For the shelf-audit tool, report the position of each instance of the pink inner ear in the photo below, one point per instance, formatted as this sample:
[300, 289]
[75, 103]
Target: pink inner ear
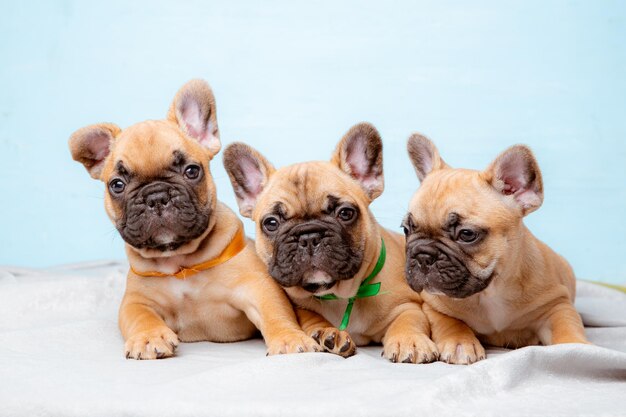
[192, 118]
[101, 147]
[425, 162]
[98, 145]
[253, 177]
[357, 160]
[513, 174]
[519, 181]
[528, 199]
[194, 123]
[361, 168]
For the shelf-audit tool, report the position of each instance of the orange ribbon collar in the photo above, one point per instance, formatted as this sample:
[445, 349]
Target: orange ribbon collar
[233, 248]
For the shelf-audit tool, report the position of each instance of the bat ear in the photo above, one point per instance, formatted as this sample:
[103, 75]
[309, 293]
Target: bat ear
[91, 145]
[195, 112]
[515, 173]
[249, 173]
[360, 154]
[424, 155]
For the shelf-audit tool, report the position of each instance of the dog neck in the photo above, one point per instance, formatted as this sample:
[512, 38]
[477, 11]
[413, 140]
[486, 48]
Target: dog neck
[519, 271]
[348, 288]
[223, 229]
[521, 258]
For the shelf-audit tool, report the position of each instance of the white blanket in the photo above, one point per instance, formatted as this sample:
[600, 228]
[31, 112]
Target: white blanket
[61, 354]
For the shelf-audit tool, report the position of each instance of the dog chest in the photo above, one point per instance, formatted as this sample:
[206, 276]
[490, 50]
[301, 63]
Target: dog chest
[196, 292]
[496, 315]
[181, 289]
[200, 311]
[491, 311]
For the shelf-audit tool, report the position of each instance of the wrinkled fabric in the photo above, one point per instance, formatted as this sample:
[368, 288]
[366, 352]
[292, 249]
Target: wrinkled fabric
[61, 354]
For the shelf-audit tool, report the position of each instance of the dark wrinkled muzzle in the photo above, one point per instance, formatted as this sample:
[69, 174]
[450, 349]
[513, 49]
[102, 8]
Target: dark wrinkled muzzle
[313, 245]
[162, 216]
[433, 267]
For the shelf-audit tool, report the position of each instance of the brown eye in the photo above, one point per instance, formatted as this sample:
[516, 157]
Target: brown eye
[467, 235]
[346, 214]
[407, 225]
[192, 172]
[116, 186]
[270, 224]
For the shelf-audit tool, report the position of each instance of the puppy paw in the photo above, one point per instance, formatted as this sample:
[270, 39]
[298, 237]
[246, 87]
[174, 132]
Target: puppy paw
[292, 342]
[461, 351]
[410, 348]
[157, 343]
[335, 341]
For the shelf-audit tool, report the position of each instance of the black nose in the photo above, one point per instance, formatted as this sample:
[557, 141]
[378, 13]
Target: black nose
[158, 200]
[425, 259]
[310, 241]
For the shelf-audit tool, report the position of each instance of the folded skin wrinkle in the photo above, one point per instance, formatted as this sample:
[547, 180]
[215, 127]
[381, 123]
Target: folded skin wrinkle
[162, 214]
[440, 270]
[331, 251]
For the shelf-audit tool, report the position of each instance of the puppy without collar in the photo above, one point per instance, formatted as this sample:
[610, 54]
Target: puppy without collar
[193, 274]
[320, 241]
[475, 262]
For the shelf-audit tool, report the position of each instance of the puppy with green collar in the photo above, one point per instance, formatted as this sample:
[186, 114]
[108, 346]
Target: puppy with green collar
[321, 243]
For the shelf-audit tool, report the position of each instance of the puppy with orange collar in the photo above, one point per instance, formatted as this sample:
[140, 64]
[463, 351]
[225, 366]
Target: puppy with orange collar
[194, 276]
[479, 269]
[321, 242]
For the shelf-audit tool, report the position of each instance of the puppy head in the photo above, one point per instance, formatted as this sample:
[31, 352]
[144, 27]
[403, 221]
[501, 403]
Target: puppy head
[464, 227]
[312, 218]
[159, 191]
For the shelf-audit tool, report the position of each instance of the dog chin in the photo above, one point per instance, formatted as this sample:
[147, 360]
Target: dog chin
[451, 293]
[424, 285]
[328, 285]
[434, 291]
[167, 248]
[317, 282]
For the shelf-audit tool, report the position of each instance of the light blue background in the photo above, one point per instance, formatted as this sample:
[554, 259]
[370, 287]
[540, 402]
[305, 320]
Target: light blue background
[291, 77]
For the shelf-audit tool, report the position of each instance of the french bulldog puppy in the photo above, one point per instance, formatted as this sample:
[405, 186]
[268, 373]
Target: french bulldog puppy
[320, 242]
[193, 274]
[477, 266]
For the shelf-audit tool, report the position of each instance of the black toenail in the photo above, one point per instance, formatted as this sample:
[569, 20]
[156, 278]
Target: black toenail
[345, 346]
[330, 341]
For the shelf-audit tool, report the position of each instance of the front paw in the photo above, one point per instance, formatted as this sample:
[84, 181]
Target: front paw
[157, 343]
[335, 341]
[292, 342]
[409, 348]
[461, 351]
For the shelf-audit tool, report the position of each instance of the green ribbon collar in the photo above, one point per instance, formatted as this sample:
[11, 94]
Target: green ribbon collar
[365, 289]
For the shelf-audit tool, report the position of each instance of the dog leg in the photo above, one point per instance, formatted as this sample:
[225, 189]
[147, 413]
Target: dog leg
[562, 325]
[456, 342]
[146, 334]
[329, 337]
[406, 339]
[268, 308]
